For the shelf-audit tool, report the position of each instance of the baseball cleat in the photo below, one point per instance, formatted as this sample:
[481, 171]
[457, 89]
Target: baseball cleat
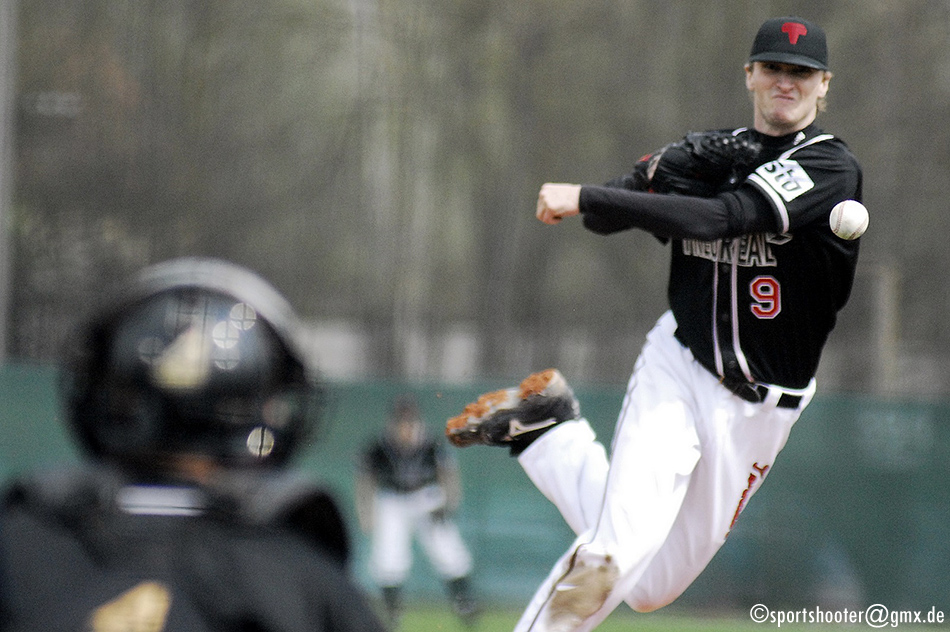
[515, 417]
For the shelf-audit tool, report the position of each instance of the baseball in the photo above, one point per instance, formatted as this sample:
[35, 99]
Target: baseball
[849, 219]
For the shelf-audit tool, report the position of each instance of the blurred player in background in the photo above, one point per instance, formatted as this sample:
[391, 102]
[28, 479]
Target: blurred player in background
[756, 282]
[408, 488]
[189, 394]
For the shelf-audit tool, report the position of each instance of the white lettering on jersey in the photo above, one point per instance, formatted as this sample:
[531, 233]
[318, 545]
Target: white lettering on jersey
[754, 250]
[784, 179]
[787, 178]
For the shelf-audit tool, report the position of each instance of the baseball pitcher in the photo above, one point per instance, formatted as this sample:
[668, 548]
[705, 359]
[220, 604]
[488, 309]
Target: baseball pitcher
[756, 281]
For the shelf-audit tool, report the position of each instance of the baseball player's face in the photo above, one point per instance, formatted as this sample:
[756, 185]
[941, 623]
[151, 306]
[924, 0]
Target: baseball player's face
[785, 96]
[409, 430]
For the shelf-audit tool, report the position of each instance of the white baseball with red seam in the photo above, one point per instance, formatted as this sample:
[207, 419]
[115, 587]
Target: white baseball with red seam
[849, 219]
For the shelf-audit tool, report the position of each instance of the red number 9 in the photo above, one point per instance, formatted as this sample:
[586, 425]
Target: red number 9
[766, 292]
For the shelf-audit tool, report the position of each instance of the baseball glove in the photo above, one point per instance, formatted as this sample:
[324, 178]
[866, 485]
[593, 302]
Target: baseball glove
[700, 164]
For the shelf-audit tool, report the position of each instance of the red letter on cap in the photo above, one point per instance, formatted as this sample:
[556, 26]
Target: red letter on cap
[794, 29]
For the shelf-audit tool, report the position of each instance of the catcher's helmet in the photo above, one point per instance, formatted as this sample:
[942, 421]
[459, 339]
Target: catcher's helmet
[197, 357]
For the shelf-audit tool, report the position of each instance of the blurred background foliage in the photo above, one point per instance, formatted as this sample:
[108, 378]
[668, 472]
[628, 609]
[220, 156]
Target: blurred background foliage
[379, 161]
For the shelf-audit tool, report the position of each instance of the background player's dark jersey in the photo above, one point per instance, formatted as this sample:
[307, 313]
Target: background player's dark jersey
[401, 468]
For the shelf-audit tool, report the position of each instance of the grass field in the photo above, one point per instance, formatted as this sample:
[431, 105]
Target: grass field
[438, 619]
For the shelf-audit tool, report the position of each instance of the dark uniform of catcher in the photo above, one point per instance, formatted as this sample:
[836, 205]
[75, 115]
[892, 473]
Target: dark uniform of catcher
[190, 394]
[756, 281]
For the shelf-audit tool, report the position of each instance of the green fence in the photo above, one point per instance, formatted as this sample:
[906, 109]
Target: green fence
[855, 512]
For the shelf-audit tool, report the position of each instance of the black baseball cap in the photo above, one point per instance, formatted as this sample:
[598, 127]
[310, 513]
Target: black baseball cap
[791, 40]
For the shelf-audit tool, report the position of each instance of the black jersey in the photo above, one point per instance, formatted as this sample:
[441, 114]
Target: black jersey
[757, 277]
[86, 551]
[404, 468]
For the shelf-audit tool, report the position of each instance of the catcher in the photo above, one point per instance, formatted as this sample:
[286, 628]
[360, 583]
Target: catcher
[756, 282]
[189, 394]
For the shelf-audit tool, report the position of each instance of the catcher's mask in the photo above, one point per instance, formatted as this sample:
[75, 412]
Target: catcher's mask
[195, 357]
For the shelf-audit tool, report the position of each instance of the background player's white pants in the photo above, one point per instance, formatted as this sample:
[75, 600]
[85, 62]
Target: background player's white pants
[397, 519]
[686, 456]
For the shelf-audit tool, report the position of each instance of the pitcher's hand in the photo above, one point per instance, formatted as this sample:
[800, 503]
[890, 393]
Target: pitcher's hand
[557, 201]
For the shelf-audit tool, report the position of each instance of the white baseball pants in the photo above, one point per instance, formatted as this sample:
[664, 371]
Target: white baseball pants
[686, 457]
[397, 520]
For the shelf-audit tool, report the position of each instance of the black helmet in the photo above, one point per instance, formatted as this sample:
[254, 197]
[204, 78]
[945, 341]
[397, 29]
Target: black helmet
[198, 357]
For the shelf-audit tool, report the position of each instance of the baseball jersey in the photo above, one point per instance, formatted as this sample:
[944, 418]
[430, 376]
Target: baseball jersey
[87, 550]
[404, 468]
[756, 277]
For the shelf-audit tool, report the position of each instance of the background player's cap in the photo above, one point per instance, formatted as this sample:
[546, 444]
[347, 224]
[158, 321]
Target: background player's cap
[791, 40]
